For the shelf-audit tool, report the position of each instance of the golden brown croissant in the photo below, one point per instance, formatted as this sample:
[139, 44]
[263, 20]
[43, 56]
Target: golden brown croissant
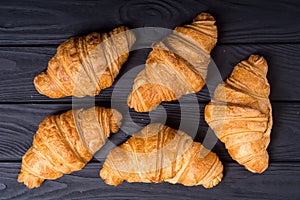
[65, 143]
[85, 65]
[241, 114]
[158, 153]
[176, 66]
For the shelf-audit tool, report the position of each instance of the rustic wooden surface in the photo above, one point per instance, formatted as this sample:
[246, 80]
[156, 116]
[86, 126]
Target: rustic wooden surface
[30, 31]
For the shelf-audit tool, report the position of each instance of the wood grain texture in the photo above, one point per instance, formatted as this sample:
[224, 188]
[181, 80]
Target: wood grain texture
[86, 184]
[20, 121]
[20, 65]
[30, 31]
[51, 22]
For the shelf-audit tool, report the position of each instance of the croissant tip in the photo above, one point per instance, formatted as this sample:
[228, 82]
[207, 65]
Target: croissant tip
[39, 83]
[122, 27]
[30, 181]
[258, 169]
[204, 17]
[256, 58]
[105, 173]
[258, 164]
[43, 85]
[258, 62]
[214, 182]
[36, 81]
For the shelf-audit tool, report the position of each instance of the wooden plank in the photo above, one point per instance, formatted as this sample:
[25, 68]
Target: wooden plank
[20, 65]
[255, 21]
[51, 22]
[236, 184]
[20, 121]
[283, 66]
[30, 30]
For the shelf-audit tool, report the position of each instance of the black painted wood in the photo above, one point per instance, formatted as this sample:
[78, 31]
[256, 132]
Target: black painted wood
[19, 122]
[31, 30]
[280, 181]
[51, 22]
[19, 65]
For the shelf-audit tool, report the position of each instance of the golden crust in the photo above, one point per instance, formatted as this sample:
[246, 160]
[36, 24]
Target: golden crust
[175, 158]
[176, 66]
[152, 94]
[241, 114]
[85, 65]
[65, 143]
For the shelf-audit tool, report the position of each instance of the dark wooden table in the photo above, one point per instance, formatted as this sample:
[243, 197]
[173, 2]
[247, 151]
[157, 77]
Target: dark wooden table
[30, 31]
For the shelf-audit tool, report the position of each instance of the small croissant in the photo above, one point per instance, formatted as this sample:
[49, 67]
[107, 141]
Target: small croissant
[159, 153]
[176, 66]
[85, 65]
[241, 114]
[65, 143]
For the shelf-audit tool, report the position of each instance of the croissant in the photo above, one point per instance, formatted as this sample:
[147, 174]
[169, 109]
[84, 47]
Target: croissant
[176, 66]
[159, 153]
[241, 114]
[85, 65]
[65, 143]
